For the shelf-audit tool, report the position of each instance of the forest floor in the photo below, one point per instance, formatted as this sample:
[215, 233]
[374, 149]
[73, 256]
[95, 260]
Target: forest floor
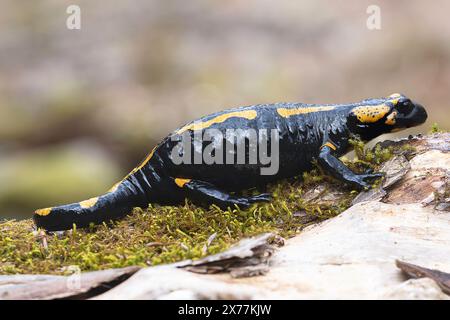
[166, 234]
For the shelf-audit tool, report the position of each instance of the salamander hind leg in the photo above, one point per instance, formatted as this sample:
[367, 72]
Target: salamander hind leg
[205, 194]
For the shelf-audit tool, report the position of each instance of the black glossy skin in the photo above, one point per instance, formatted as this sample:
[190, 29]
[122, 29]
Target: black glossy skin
[308, 135]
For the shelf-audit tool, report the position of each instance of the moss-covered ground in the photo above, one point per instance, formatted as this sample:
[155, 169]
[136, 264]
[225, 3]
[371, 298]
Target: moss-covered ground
[164, 234]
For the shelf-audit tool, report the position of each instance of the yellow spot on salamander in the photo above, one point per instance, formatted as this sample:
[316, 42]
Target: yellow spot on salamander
[146, 160]
[287, 112]
[391, 119]
[143, 163]
[330, 145]
[247, 114]
[89, 203]
[181, 182]
[114, 187]
[371, 114]
[43, 212]
[394, 98]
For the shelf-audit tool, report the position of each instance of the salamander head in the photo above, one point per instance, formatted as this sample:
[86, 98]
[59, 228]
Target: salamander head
[378, 116]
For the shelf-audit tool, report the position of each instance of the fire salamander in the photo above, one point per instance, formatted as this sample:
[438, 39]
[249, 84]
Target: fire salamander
[304, 132]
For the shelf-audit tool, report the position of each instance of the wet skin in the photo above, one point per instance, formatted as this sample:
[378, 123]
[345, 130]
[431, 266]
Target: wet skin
[306, 133]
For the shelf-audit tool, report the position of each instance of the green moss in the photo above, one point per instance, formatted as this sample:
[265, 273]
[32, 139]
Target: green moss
[367, 158]
[160, 234]
[435, 128]
[165, 234]
[312, 177]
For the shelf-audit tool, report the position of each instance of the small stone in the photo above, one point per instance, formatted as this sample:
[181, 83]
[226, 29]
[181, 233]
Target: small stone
[304, 217]
[251, 271]
[395, 170]
[371, 195]
[443, 206]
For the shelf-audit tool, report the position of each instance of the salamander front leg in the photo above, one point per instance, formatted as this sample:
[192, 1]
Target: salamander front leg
[204, 193]
[338, 170]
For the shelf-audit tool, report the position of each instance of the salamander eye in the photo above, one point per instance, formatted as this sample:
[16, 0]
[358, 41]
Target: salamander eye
[404, 106]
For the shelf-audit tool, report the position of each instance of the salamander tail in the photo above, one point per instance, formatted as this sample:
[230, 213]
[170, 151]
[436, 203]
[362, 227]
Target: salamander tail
[113, 205]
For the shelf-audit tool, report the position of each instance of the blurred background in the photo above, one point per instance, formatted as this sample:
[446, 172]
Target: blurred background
[80, 108]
